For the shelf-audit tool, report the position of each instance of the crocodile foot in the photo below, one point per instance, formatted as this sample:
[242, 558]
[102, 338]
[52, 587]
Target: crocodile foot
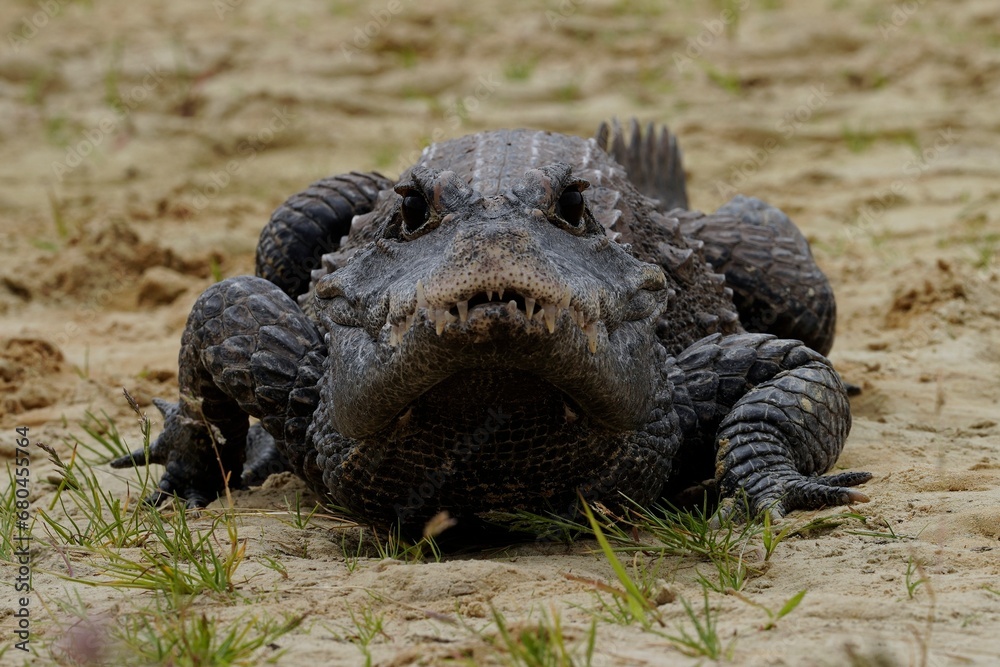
[187, 448]
[777, 491]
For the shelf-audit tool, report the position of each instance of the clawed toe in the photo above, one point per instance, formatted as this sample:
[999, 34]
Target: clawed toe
[780, 494]
[136, 459]
[167, 489]
[844, 479]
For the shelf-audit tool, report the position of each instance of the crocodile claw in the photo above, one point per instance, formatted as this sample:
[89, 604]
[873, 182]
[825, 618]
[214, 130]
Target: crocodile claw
[170, 487]
[159, 450]
[196, 479]
[778, 493]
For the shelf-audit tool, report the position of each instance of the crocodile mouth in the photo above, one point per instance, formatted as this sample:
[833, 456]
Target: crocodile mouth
[590, 344]
[516, 306]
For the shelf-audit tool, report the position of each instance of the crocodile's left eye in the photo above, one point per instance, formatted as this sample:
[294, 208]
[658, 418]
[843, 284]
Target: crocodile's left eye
[570, 207]
[415, 213]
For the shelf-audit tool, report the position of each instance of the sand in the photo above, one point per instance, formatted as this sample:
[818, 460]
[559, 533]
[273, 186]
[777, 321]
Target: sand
[144, 145]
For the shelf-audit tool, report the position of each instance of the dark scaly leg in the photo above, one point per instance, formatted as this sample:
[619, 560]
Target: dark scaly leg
[247, 350]
[769, 415]
[311, 223]
[777, 286]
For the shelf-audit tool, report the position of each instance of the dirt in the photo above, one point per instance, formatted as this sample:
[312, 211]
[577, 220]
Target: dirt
[144, 145]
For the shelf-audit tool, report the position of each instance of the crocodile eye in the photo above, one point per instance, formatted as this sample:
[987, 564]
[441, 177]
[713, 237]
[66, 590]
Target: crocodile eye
[415, 213]
[570, 207]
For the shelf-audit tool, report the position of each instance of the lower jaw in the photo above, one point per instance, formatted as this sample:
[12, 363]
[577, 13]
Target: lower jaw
[478, 442]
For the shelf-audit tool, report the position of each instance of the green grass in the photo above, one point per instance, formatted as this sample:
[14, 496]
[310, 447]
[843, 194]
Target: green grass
[8, 518]
[633, 604]
[134, 545]
[859, 139]
[887, 534]
[295, 511]
[112, 75]
[728, 81]
[367, 625]
[59, 130]
[540, 644]
[520, 69]
[398, 547]
[177, 559]
[723, 541]
[700, 636]
[915, 576]
[58, 219]
[195, 640]
[774, 616]
[160, 635]
[352, 558]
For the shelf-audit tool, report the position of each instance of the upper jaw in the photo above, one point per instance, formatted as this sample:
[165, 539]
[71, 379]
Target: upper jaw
[472, 313]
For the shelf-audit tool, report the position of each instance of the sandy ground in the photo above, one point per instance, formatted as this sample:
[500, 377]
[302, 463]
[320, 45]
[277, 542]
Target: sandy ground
[144, 145]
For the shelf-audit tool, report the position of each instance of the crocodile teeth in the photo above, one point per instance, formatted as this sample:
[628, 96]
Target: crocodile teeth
[421, 297]
[564, 302]
[543, 312]
[550, 316]
[443, 318]
[591, 331]
[568, 412]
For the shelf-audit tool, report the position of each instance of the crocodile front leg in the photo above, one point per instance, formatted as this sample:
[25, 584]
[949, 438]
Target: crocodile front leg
[311, 223]
[247, 350]
[772, 415]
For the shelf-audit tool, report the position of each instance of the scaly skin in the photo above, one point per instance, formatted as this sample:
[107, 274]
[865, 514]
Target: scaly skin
[510, 325]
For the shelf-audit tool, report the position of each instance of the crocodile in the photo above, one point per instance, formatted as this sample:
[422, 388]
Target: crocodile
[524, 320]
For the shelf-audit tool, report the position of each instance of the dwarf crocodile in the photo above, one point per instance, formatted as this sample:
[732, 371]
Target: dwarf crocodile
[522, 320]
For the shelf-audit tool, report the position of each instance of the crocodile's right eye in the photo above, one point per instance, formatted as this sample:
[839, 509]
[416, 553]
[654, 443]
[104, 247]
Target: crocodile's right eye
[570, 207]
[415, 213]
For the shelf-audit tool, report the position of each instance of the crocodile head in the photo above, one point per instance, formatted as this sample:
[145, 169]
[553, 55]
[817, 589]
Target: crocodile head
[467, 309]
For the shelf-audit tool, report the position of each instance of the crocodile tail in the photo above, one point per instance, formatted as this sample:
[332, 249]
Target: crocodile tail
[652, 160]
[311, 223]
